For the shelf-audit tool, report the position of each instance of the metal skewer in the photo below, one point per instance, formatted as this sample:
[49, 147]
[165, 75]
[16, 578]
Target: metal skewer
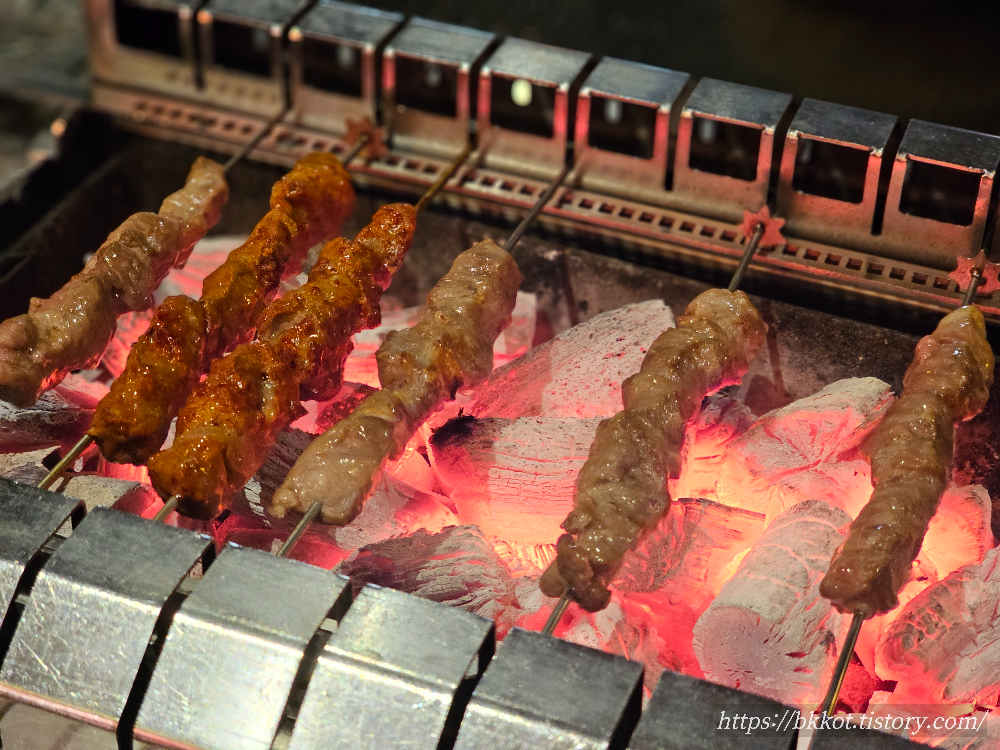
[829, 704]
[756, 236]
[168, 507]
[65, 462]
[255, 141]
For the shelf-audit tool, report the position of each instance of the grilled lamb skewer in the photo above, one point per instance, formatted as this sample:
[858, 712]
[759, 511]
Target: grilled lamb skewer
[71, 329]
[232, 419]
[451, 347]
[621, 491]
[911, 452]
[308, 204]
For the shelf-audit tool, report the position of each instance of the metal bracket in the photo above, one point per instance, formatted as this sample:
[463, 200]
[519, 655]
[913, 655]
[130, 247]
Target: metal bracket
[830, 168]
[247, 73]
[623, 129]
[544, 692]
[233, 650]
[525, 107]
[28, 519]
[725, 147]
[85, 631]
[686, 713]
[392, 673]
[860, 739]
[916, 226]
[333, 55]
[428, 85]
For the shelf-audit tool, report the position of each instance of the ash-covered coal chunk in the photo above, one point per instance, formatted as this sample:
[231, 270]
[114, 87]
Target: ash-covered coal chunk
[513, 478]
[806, 450]
[688, 557]
[769, 632]
[106, 492]
[59, 417]
[579, 373]
[457, 567]
[27, 467]
[945, 645]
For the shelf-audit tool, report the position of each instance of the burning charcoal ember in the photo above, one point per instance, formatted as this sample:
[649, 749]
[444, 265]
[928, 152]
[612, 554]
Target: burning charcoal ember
[394, 509]
[768, 631]
[944, 647]
[130, 327]
[515, 340]
[687, 558]
[806, 450]
[129, 472]
[27, 467]
[958, 534]
[722, 419]
[61, 415]
[328, 413]
[513, 478]
[525, 559]
[579, 373]
[105, 492]
[456, 566]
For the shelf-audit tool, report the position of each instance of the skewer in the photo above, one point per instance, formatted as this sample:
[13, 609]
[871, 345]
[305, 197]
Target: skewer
[759, 223]
[362, 140]
[515, 237]
[829, 704]
[168, 507]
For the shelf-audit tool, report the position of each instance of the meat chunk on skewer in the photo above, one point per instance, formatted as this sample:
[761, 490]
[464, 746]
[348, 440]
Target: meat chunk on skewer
[308, 204]
[231, 421]
[621, 492]
[420, 369]
[70, 330]
[910, 452]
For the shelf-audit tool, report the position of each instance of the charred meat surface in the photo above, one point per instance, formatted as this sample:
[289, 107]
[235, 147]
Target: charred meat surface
[911, 452]
[308, 204]
[451, 347]
[70, 330]
[231, 421]
[621, 492]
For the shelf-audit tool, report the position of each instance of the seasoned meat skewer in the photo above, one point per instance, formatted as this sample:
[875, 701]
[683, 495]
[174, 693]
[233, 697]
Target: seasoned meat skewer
[308, 204]
[451, 347]
[71, 329]
[911, 452]
[232, 419]
[621, 491]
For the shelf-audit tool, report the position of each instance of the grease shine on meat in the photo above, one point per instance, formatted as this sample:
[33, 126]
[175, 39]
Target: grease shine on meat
[621, 492]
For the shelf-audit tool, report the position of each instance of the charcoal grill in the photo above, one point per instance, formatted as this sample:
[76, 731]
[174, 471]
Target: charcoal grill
[118, 632]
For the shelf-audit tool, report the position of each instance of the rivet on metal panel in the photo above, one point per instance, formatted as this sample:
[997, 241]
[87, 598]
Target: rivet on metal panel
[543, 692]
[88, 624]
[396, 672]
[235, 646]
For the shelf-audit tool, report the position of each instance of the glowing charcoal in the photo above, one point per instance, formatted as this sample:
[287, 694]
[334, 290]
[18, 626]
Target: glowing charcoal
[60, 416]
[944, 647]
[513, 478]
[768, 631]
[579, 373]
[806, 450]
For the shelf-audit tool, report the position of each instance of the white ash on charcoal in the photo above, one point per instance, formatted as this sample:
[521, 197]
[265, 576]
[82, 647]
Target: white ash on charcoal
[944, 647]
[959, 534]
[686, 559]
[258, 491]
[512, 342]
[27, 467]
[513, 478]
[393, 509]
[60, 416]
[525, 559]
[806, 450]
[769, 631]
[579, 373]
[722, 419]
[456, 566]
[105, 492]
